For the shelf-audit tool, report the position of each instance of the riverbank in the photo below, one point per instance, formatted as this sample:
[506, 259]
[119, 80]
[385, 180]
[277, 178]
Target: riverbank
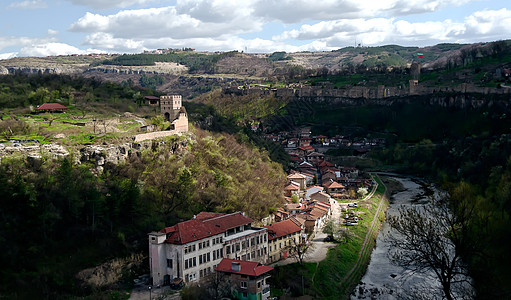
[345, 264]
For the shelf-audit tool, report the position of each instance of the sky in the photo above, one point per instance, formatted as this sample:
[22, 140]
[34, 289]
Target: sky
[63, 27]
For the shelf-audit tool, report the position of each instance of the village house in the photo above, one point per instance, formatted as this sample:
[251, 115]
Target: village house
[321, 197]
[333, 187]
[152, 100]
[282, 236]
[248, 279]
[192, 249]
[51, 108]
[291, 189]
[305, 141]
[314, 156]
[298, 178]
[311, 190]
[304, 150]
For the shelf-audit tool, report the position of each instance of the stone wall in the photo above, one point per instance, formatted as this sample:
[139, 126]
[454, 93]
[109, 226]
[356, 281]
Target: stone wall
[155, 135]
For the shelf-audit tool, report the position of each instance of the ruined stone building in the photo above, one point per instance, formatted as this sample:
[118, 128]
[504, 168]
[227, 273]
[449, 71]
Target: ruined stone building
[173, 111]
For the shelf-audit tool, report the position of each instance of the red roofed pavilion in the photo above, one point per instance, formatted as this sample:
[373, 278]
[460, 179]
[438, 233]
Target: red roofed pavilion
[51, 107]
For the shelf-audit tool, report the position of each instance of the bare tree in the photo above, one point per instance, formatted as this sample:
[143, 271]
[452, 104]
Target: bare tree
[300, 249]
[431, 239]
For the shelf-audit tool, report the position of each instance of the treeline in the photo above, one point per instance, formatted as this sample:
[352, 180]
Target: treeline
[59, 217]
[22, 90]
[196, 62]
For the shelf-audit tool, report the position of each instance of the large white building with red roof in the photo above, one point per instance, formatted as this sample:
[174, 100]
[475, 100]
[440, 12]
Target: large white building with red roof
[192, 249]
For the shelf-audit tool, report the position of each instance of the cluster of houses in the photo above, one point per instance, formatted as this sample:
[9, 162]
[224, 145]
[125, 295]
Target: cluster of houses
[301, 141]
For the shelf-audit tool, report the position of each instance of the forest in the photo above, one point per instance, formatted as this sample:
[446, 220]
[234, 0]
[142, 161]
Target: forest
[59, 217]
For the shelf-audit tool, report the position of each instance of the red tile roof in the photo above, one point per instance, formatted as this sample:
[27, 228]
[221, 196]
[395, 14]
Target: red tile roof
[56, 106]
[207, 215]
[291, 187]
[324, 163]
[306, 148]
[197, 229]
[281, 229]
[250, 268]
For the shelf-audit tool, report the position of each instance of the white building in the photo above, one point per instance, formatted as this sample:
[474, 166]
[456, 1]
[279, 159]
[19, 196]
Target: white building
[192, 249]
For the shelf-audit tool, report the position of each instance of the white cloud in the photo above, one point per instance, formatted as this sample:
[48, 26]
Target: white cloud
[10, 41]
[52, 32]
[163, 22]
[8, 55]
[49, 49]
[295, 11]
[106, 4]
[378, 31]
[29, 4]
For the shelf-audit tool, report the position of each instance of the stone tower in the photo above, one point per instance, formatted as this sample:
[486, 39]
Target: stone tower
[170, 107]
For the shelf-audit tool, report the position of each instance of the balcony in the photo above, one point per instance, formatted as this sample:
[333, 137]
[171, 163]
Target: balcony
[265, 292]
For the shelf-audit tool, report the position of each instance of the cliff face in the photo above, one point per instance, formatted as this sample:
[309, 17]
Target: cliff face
[99, 155]
[462, 96]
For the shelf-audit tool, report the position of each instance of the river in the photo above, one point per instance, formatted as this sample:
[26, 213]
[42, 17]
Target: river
[384, 280]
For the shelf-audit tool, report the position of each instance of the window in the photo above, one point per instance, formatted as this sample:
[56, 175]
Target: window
[259, 284]
[243, 284]
[209, 257]
[169, 263]
[186, 263]
[252, 241]
[214, 255]
[200, 259]
[264, 237]
[194, 262]
[228, 250]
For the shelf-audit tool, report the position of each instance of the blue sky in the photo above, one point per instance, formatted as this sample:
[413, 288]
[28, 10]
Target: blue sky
[54, 27]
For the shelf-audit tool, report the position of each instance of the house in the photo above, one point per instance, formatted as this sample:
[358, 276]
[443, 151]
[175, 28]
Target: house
[311, 222]
[305, 141]
[305, 132]
[292, 189]
[152, 100]
[293, 208]
[333, 187]
[329, 175]
[248, 279]
[304, 150]
[313, 189]
[292, 143]
[349, 172]
[281, 237]
[191, 249]
[298, 178]
[314, 156]
[51, 108]
[320, 196]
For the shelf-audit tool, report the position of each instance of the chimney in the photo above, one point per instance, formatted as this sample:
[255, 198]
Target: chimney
[236, 266]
